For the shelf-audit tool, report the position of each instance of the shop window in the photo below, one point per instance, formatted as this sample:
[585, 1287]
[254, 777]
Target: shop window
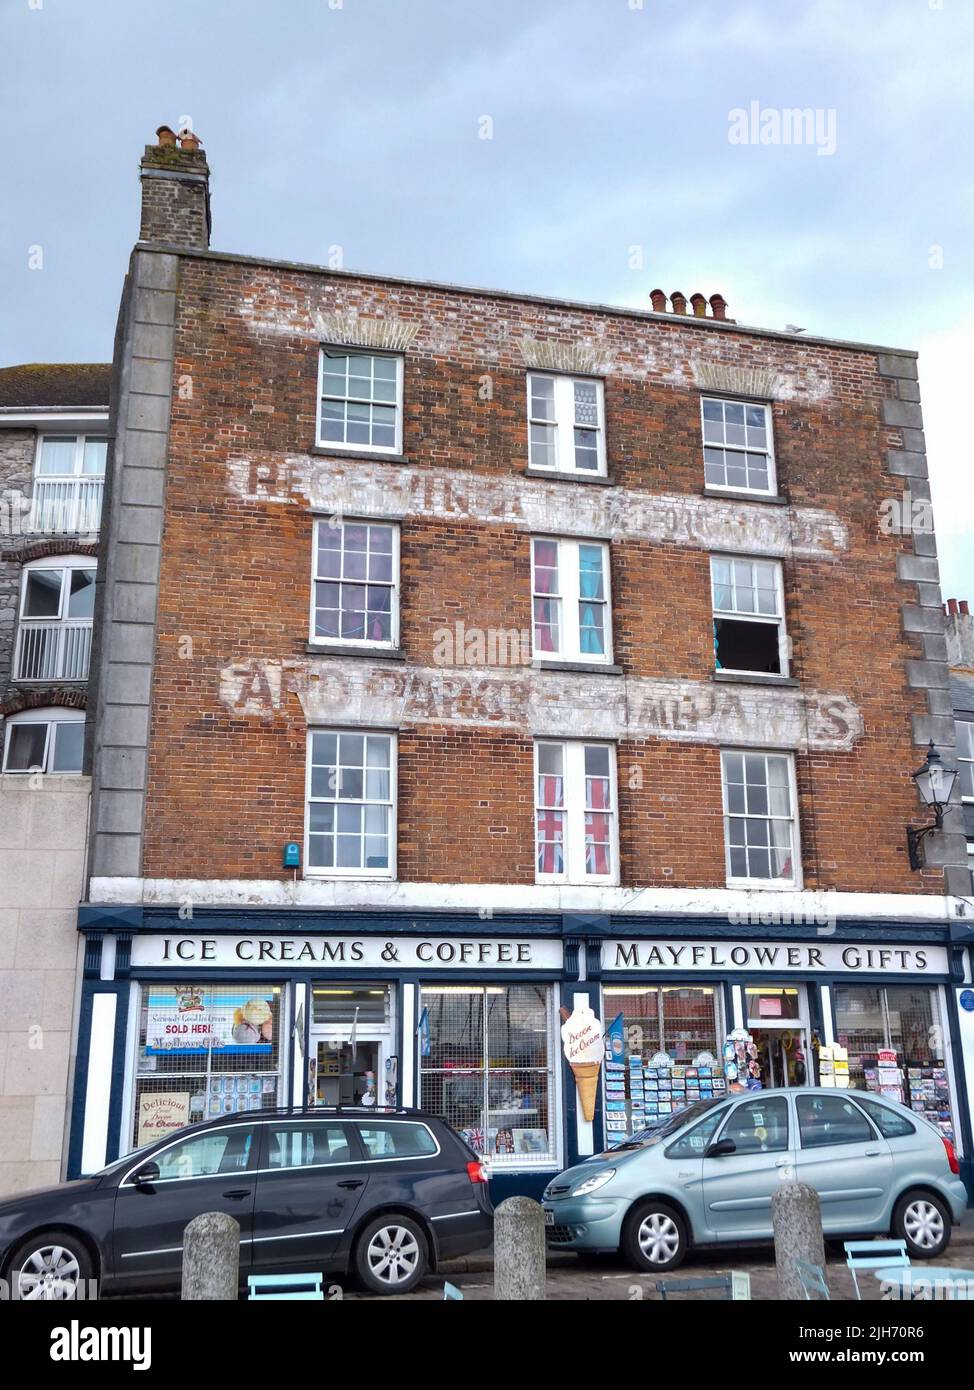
[872, 1021]
[205, 1050]
[44, 740]
[772, 1002]
[826, 1120]
[665, 1049]
[570, 598]
[565, 424]
[738, 453]
[575, 812]
[361, 401]
[749, 616]
[488, 1068]
[351, 804]
[760, 830]
[356, 577]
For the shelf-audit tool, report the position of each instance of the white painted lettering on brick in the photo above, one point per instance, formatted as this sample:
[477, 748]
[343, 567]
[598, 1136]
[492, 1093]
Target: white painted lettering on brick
[543, 703]
[613, 513]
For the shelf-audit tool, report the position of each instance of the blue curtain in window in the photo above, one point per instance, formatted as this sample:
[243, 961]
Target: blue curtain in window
[590, 614]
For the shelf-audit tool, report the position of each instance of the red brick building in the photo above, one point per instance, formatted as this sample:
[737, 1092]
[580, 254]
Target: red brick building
[462, 655]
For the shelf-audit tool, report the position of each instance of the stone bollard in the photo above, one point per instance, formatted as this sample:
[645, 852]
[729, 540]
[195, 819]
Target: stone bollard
[519, 1250]
[796, 1214]
[211, 1257]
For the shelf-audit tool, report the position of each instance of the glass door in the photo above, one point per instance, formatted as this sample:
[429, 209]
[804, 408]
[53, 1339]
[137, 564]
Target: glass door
[777, 1019]
[351, 1042]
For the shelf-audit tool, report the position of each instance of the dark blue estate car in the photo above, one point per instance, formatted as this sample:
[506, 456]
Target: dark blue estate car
[384, 1195]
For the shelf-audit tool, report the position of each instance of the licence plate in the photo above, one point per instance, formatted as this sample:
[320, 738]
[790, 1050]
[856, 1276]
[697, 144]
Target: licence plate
[549, 1218]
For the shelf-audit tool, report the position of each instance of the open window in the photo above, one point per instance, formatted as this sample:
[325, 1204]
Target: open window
[749, 616]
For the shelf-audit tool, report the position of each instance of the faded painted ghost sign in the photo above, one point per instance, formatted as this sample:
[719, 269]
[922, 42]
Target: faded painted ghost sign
[531, 504]
[543, 703]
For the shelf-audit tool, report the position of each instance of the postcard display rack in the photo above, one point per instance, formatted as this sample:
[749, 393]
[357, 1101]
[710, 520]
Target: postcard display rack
[924, 1089]
[639, 1091]
[833, 1067]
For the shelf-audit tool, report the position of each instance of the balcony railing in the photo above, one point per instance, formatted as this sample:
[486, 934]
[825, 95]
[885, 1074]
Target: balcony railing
[66, 505]
[53, 651]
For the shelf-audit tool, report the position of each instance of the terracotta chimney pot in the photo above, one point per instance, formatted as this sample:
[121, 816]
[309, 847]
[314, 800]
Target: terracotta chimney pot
[659, 301]
[188, 140]
[679, 302]
[699, 303]
[165, 136]
[718, 306]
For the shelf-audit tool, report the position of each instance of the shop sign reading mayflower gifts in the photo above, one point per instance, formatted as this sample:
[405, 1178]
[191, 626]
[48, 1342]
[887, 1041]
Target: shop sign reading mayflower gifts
[824, 957]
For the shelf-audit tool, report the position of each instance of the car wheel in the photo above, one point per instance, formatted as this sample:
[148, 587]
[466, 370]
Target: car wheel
[655, 1237]
[391, 1254]
[49, 1266]
[923, 1221]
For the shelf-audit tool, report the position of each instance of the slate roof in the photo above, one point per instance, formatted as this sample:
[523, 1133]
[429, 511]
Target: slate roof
[43, 385]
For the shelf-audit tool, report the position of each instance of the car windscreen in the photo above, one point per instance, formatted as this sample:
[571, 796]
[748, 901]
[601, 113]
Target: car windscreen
[666, 1125]
[131, 1157]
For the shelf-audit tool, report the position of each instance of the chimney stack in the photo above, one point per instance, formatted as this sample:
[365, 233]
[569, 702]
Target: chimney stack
[718, 305]
[959, 628]
[175, 190]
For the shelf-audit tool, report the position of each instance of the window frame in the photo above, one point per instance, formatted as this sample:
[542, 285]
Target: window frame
[964, 758]
[45, 715]
[772, 489]
[337, 349]
[574, 812]
[344, 874]
[76, 477]
[362, 643]
[737, 615]
[570, 598]
[779, 884]
[564, 423]
[65, 564]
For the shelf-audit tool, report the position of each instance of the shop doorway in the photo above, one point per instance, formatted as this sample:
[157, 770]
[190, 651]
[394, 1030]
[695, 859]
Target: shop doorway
[777, 1019]
[350, 1053]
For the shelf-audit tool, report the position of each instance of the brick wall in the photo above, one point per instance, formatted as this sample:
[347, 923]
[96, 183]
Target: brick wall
[236, 566]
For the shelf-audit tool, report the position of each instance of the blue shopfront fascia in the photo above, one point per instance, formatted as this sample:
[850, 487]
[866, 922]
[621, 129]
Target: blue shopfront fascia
[575, 952]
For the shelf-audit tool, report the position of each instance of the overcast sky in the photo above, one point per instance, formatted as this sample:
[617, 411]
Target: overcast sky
[357, 123]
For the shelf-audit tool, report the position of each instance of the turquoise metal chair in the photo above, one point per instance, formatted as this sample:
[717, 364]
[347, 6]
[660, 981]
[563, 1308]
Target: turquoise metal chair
[872, 1255]
[721, 1284]
[265, 1287]
[812, 1280]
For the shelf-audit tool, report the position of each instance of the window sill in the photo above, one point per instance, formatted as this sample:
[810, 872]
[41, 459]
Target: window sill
[341, 649]
[742, 495]
[763, 885]
[561, 477]
[753, 678]
[584, 668]
[335, 451]
[310, 877]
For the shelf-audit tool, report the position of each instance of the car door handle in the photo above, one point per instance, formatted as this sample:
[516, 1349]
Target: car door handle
[872, 1153]
[782, 1163]
[351, 1183]
[237, 1192]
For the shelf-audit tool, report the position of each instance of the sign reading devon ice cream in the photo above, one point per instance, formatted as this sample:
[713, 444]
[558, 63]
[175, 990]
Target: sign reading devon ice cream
[581, 1036]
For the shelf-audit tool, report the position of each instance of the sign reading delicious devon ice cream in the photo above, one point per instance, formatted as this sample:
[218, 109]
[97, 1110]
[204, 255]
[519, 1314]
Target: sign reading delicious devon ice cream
[581, 1036]
[183, 1019]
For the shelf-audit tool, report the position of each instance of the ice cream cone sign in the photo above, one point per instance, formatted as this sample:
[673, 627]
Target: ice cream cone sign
[581, 1036]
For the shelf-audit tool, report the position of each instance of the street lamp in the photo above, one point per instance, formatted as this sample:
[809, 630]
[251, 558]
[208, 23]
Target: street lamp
[935, 783]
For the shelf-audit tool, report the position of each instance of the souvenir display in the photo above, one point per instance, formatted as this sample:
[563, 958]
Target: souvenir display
[833, 1067]
[638, 1092]
[741, 1066]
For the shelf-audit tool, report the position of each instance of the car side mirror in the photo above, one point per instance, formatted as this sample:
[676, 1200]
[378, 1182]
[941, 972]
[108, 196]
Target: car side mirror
[147, 1174]
[720, 1148]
